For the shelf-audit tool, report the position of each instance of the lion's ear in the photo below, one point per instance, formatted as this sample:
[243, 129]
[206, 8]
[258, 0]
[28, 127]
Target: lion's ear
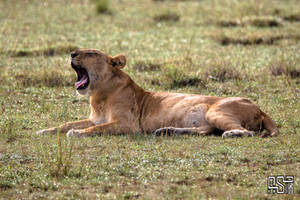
[118, 61]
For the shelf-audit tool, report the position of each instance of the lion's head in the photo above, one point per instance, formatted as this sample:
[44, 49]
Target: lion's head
[94, 69]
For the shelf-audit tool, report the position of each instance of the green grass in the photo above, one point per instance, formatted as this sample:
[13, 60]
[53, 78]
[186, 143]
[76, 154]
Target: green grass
[193, 55]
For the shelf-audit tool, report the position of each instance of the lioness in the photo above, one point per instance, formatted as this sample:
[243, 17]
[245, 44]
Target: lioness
[118, 105]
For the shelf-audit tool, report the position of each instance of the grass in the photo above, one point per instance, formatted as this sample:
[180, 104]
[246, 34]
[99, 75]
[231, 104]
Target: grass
[258, 62]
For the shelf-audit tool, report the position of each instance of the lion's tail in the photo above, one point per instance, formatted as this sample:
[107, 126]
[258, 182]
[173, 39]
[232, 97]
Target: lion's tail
[270, 125]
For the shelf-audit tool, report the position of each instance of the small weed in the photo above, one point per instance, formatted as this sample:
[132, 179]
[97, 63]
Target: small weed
[102, 6]
[146, 66]
[167, 16]
[8, 130]
[5, 185]
[56, 159]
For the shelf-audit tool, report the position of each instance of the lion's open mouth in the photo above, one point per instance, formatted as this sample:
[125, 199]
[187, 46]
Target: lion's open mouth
[82, 77]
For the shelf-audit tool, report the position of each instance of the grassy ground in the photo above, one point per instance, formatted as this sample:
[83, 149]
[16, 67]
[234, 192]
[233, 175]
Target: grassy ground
[226, 48]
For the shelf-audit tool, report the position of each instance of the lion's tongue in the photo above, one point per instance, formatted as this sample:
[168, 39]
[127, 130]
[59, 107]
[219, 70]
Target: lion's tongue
[82, 81]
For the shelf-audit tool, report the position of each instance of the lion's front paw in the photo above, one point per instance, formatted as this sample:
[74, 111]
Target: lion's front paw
[74, 133]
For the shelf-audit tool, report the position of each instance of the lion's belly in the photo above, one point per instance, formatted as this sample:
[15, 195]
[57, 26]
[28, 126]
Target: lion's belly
[179, 115]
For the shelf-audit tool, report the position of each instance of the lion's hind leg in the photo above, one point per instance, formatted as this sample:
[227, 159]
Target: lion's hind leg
[237, 118]
[231, 126]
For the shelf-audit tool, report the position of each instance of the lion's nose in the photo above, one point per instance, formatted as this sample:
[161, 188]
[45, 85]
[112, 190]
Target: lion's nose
[74, 54]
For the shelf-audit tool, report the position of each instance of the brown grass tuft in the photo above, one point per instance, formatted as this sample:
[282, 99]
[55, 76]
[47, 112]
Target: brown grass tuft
[262, 21]
[255, 39]
[174, 77]
[50, 51]
[45, 78]
[187, 81]
[167, 16]
[287, 16]
[281, 69]
[222, 73]
[292, 17]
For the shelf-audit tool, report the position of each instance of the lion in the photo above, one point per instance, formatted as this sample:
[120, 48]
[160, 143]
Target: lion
[120, 106]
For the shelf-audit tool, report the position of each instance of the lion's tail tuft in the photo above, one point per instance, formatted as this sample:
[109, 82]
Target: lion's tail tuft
[270, 125]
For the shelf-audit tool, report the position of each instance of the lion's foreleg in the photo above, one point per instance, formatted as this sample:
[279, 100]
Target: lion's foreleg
[111, 128]
[81, 124]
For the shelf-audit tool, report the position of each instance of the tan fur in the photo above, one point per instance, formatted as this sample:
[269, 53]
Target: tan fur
[118, 106]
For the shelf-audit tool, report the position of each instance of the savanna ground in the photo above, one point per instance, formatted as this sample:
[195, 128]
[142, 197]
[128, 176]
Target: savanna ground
[225, 48]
